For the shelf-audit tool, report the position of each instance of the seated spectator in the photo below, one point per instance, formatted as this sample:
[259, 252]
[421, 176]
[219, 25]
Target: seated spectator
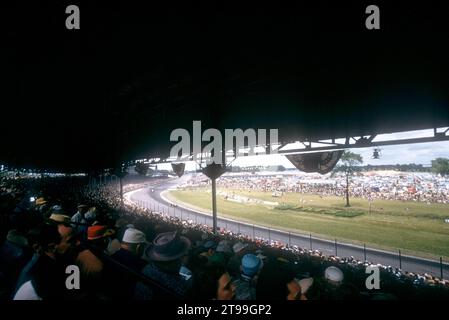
[95, 286]
[277, 282]
[80, 221]
[14, 255]
[334, 276]
[235, 261]
[131, 249]
[222, 253]
[25, 274]
[213, 283]
[327, 287]
[100, 236]
[66, 249]
[47, 274]
[129, 256]
[91, 215]
[165, 255]
[245, 285]
[208, 249]
[57, 209]
[63, 223]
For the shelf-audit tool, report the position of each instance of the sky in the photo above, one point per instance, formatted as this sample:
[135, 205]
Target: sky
[418, 153]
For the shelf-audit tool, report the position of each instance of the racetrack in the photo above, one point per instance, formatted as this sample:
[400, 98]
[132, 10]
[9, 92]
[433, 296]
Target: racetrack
[154, 199]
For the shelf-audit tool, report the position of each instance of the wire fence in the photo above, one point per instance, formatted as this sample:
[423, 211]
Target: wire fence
[398, 259]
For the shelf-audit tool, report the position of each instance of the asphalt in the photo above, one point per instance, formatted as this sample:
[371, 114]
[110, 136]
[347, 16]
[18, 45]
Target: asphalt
[151, 198]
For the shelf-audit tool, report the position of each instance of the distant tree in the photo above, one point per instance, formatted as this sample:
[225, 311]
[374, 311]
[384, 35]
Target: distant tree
[142, 168]
[441, 166]
[349, 164]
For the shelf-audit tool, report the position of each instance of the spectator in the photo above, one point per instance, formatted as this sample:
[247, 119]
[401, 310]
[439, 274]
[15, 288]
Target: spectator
[99, 235]
[165, 255]
[213, 283]
[221, 254]
[334, 276]
[129, 256]
[277, 282]
[235, 261]
[63, 223]
[80, 221]
[246, 284]
[328, 288]
[14, 255]
[47, 274]
[209, 249]
[66, 249]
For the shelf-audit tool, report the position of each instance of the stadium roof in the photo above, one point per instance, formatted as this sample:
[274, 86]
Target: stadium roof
[114, 90]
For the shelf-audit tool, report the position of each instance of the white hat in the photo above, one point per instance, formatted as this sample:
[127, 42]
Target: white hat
[305, 284]
[239, 246]
[133, 236]
[223, 246]
[333, 274]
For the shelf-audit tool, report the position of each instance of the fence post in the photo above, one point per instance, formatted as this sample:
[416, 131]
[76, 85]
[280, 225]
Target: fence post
[310, 241]
[289, 239]
[254, 234]
[226, 224]
[336, 254]
[269, 234]
[238, 225]
[364, 251]
[400, 260]
[441, 267]
[181, 213]
[205, 220]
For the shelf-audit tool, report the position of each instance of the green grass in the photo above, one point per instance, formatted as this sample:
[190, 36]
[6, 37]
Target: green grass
[416, 228]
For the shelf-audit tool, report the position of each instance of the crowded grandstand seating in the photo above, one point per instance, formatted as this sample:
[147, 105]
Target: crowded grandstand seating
[133, 253]
[403, 186]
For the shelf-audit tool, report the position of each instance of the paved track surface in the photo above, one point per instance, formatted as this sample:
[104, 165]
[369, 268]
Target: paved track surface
[151, 198]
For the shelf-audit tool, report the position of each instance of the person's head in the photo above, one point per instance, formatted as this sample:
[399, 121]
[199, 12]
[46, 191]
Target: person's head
[224, 247]
[167, 250]
[209, 247]
[277, 282]
[334, 276]
[45, 239]
[66, 232]
[134, 241]
[251, 265]
[65, 229]
[99, 236]
[239, 248]
[214, 283]
[82, 209]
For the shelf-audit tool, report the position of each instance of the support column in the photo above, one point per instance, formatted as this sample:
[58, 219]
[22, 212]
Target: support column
[214, 204]
[214, 171]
